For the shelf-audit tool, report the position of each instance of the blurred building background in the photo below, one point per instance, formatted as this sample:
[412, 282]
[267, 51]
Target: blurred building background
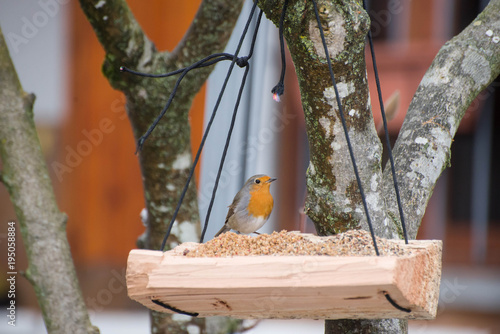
[58, 58]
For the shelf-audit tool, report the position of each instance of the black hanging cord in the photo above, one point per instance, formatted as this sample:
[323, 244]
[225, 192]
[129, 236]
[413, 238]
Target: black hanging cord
[204, 63]
[344, 125]
[207, 61]
[171, 308]
[388, 142]
[210, 60]
[228, 139]
[201, 63]
[242, 62]
[226, 146]
[235, 60]
[279, 89]
[393, 303]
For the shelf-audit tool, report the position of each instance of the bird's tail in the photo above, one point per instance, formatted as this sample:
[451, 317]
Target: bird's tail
[224, 229]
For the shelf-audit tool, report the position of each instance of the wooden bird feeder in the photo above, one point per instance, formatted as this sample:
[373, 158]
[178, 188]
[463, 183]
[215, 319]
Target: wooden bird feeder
[289, 286]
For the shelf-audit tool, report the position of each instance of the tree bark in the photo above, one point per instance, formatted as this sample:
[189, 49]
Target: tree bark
[165, 159]
[43, 226]
[355, 326]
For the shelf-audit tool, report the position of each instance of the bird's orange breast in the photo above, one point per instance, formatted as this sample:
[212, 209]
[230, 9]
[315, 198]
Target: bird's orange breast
[261, 203]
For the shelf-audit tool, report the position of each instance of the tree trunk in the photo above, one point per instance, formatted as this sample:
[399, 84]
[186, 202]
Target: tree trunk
[42, 225]
[333, 201]
[463, 67]
[165, 159]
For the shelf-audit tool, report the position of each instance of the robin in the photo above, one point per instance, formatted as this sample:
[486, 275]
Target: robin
[251, 206]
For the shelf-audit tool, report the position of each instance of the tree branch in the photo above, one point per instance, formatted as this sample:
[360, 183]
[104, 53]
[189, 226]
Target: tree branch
[209, 31]
[42, 225]
[118, 32]
[126, 44]
[463, 67]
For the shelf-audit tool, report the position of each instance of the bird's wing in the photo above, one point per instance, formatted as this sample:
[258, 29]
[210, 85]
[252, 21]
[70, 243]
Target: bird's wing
[240, 202]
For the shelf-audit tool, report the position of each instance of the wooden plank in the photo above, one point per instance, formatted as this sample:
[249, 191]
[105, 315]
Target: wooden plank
[316, 287]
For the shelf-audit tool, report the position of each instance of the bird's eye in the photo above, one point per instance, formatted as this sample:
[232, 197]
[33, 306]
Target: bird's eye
[257, 181]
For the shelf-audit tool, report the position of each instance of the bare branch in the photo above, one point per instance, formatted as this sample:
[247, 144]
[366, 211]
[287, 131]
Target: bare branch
[209, 31]
[118, 32]
[42, 225]
[464, 66]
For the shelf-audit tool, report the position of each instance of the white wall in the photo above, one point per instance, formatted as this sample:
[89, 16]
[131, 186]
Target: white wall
[36, 35]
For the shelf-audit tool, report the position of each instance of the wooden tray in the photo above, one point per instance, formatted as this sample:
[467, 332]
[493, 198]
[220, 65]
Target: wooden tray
[289, 287]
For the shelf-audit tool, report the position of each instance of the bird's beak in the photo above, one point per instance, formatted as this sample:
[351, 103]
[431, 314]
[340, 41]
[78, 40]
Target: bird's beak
[271, 180]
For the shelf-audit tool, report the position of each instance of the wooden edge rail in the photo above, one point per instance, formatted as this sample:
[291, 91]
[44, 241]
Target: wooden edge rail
[289, 287]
